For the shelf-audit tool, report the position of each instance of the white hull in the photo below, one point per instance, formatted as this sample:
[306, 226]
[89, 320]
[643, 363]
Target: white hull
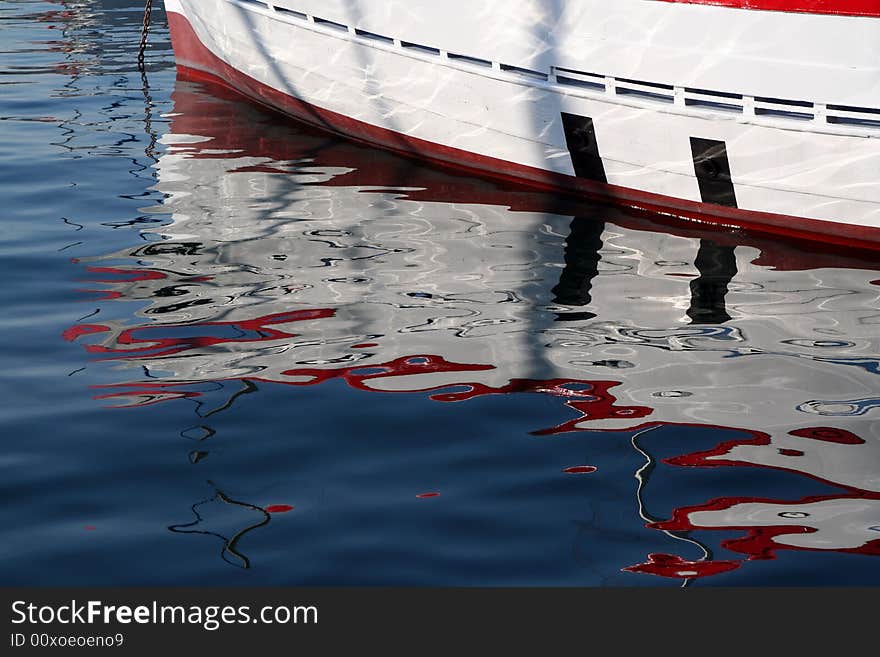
[791, 145]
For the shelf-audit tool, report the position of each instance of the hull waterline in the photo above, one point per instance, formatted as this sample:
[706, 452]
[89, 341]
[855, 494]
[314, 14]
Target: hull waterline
[857, 226]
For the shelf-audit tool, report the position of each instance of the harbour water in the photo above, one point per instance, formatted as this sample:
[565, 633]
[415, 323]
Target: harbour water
[239, 351]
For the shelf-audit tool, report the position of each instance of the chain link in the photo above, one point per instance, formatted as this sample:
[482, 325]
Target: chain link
[148, 10]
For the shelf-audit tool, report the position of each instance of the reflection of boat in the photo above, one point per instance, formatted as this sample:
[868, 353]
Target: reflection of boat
[75, 25]
[741, 113]
[299, 260]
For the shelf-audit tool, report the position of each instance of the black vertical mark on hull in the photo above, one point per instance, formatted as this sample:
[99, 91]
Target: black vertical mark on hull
[717, 267]
[712, 169]
[580, 137]
[581, 267]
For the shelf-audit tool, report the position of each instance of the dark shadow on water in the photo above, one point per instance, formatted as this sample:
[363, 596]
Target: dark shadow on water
[230, 552]
[582, 257]
[717, 267]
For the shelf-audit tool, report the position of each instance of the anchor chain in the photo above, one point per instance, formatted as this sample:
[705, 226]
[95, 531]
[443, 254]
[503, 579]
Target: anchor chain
[145, 30]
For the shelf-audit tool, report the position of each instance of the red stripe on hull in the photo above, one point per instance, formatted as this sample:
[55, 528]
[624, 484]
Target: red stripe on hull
[192, 54]
[841, 7]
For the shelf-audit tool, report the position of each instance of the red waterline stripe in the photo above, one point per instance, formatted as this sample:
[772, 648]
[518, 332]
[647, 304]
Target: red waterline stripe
[841, 7]
[191, 54]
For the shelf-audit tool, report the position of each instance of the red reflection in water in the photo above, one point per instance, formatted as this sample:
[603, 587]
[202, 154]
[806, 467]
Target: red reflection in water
[759, 542]
[57, 15]
[837, 523]
[157, 347]
[103, 295]
[591, 399]
[79, 330]
[598, 406]
[405, 366]
[669, 565]
[829, 434]
[133, 275]
[278, 508]
[713, 458]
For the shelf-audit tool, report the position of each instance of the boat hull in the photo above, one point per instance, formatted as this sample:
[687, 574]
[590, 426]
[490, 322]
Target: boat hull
[736, 173]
